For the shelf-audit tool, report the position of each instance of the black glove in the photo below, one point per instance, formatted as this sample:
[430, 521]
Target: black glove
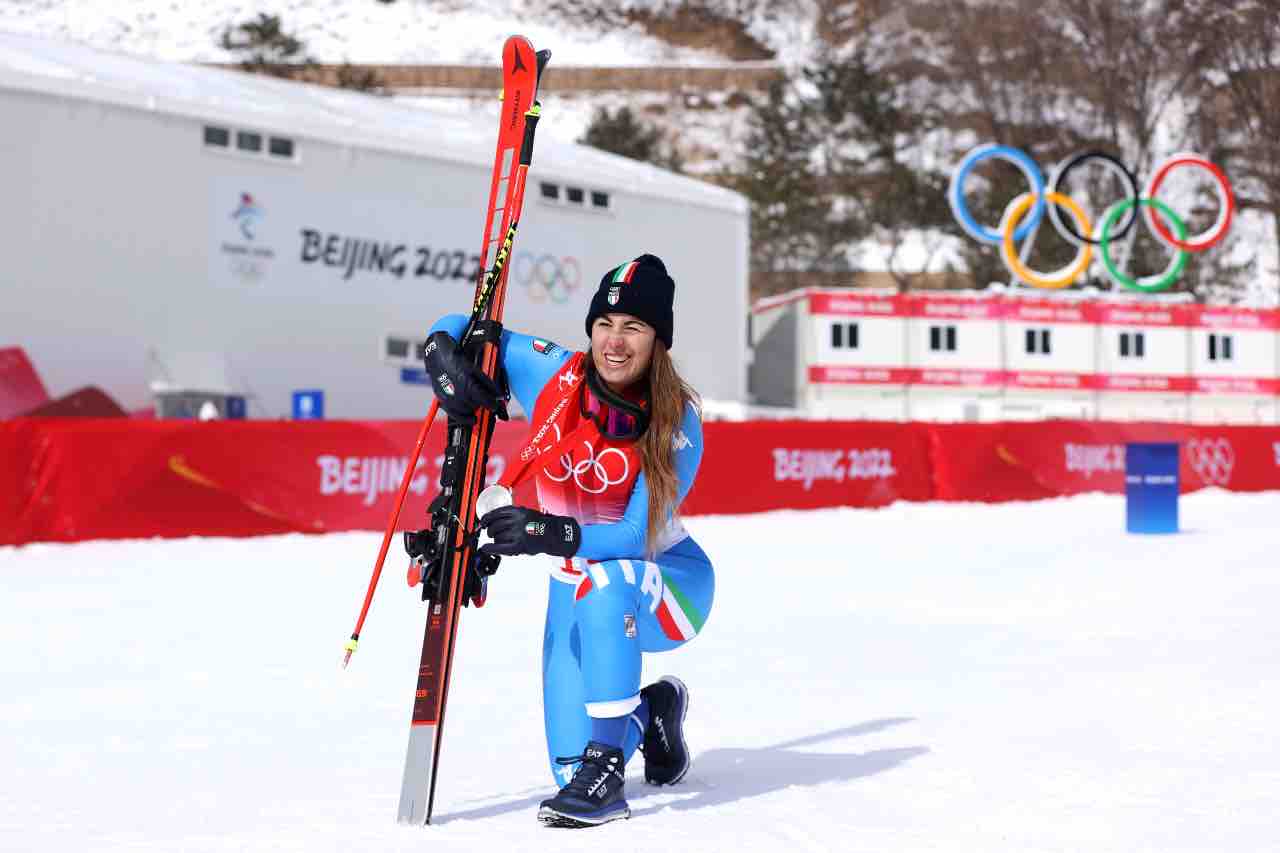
[460, 386]
[519, 530]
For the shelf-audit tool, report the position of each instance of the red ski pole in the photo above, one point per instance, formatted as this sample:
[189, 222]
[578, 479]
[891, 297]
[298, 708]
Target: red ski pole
[391, 529]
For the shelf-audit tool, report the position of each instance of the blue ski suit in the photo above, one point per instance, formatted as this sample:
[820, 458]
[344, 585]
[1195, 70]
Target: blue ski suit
[619, 603]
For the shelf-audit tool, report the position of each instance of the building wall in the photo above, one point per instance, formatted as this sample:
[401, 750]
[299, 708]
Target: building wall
[1015, 358]
[775, 357]
[121, 225]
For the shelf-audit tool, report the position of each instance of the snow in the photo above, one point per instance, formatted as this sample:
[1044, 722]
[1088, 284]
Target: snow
[407, 31]
[1018, 677]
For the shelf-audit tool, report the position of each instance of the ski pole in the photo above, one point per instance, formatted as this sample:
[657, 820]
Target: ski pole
[391, 529]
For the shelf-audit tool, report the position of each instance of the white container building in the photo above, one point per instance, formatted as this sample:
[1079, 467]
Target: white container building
[301, 237]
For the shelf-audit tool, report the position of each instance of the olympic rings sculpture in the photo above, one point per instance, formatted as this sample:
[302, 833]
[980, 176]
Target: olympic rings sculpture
[1022, 217]
[547, 277]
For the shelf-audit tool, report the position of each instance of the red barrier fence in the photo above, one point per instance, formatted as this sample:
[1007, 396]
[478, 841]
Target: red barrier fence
[73, 479]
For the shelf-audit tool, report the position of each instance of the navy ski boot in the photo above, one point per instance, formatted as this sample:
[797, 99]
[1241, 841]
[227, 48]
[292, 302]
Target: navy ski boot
[594, 795]
[666, 755]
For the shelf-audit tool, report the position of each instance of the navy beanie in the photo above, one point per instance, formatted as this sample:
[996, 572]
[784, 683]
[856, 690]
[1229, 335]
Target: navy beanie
[641, 288]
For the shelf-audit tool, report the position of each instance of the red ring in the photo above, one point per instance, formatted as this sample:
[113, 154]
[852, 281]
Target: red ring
[1190, 245]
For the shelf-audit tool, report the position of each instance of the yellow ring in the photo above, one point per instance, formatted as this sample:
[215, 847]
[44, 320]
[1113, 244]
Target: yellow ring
[1031, 277]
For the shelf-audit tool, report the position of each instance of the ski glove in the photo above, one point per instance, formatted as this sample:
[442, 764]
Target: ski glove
[460, 386]
[520, 530]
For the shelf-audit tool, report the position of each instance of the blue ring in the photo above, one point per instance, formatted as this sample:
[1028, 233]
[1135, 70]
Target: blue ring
[955, 194]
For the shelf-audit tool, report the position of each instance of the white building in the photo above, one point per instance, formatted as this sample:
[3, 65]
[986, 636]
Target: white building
[1235, 365]
[943, 356]
[288, 236]
[1143, 362]
[1050, 349]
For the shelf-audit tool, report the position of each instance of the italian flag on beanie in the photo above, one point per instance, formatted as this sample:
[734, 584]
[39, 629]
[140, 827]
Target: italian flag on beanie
[641, 288]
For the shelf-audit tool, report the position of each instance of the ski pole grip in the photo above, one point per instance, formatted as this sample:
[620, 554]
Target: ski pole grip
[530, 125]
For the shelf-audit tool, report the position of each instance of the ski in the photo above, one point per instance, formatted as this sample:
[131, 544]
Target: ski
[453, 572]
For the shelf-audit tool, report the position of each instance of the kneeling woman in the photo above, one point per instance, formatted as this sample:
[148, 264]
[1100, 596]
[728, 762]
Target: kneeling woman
[621, 437]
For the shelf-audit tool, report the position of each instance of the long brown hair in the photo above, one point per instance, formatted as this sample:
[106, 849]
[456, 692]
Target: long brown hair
[668, 396]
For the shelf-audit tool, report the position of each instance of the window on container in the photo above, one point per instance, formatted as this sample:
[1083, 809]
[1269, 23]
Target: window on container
[397, 348]
[1132, 345]
[575, 195]
[599, 199]
[844, 335]
[247, 141]
[280, 146]
[1037, 342]
[1220, 347]
[219, 137]
[935, 338]
[551, 192]
[951, 338]
[942, 338]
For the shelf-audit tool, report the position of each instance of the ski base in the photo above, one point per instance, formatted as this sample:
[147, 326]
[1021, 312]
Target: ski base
[415, 789]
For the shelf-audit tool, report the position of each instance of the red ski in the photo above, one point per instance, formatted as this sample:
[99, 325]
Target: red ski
[458, 574]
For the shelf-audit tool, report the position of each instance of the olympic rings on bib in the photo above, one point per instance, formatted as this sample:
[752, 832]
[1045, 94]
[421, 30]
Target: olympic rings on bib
[1076, 229]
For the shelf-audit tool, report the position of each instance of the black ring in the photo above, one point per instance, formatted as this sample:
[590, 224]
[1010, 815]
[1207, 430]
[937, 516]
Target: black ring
[1079, 160]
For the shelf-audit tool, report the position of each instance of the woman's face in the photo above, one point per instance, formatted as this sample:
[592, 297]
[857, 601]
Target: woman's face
[621, 348]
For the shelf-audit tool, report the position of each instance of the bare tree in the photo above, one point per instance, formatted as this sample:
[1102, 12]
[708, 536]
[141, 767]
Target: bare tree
[1243, 118]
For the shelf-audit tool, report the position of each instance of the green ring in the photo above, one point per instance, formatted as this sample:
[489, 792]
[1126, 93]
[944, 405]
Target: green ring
[1104, 241]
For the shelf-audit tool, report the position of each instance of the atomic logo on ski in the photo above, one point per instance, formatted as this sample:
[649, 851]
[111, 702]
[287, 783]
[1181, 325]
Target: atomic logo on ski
[519, 64]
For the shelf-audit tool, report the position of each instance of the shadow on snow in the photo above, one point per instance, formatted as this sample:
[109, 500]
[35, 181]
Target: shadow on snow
[722, 776]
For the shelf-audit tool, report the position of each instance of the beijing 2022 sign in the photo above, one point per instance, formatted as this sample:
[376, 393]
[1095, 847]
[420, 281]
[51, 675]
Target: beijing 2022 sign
[1116, 222]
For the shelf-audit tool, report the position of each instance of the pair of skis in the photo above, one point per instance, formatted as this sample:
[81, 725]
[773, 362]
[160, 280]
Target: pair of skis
[453, 571]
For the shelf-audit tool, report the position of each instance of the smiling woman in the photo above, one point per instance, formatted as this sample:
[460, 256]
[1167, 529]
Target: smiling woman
[614, 445]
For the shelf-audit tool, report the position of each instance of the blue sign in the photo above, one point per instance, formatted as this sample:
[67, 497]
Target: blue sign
[308, 405]
[1151, 488]
[414, 376]
[237, 409]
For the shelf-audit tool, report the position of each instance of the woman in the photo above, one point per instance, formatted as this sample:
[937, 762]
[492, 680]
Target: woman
[615, 442]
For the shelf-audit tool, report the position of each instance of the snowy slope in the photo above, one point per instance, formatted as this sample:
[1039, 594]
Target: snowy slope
[1019, 677]
[408, 31]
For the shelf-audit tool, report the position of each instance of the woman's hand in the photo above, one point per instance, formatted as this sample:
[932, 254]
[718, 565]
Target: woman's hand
[460, 386]
[520, 530]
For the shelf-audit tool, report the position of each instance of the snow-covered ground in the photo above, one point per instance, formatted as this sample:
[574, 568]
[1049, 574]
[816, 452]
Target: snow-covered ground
[926, 677]
[408, 31]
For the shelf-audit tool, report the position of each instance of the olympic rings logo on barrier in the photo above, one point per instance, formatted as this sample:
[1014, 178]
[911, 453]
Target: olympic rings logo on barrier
[547, 277]
[1017, 225]
[1213, 459]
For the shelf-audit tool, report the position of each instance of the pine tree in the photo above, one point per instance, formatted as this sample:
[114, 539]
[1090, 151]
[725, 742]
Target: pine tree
[265, 48]
[622, 133]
